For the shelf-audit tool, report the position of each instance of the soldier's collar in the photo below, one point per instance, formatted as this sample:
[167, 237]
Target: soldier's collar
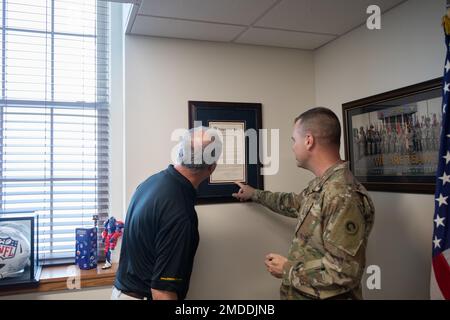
[317, 184]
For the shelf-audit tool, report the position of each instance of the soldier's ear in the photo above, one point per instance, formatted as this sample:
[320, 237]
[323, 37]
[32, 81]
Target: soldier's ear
[309, 141]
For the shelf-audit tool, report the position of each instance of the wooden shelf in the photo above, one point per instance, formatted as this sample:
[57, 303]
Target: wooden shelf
[55, 278]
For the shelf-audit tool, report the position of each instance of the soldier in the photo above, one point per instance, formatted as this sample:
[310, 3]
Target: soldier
[335, 216]
[355, 141]
[378, 141]
[428, 132]
[384, 144]
[362, 143]
[419, 137]
[399, 138]
[423, 132]
[388, 138]
[370, 140]
[435, 132]
[393, 139]
[409, 139]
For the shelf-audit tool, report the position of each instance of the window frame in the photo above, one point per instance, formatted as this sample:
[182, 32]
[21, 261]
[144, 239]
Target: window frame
[101, 105]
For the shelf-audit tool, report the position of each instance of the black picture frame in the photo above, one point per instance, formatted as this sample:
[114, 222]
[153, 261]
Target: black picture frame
[251, 115]
[392, 139]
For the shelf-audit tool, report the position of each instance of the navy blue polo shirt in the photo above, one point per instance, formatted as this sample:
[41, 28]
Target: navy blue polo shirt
[160, 237]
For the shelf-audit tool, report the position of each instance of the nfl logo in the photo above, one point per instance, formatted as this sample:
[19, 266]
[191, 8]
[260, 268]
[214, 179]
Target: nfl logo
[8, 248]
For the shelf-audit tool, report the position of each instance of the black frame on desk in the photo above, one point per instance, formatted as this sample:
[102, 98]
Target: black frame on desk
[248, 113]
[32, 272]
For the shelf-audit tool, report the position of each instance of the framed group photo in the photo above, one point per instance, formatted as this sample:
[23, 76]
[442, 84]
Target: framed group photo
[392, 139]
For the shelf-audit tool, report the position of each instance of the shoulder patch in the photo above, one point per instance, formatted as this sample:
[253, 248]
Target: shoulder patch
[351, 227]
[345, 230]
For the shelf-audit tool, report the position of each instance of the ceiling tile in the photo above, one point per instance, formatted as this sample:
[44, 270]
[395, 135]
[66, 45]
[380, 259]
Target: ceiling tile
[172, 28]
[242, 12]
[321, 16]
[280, 38]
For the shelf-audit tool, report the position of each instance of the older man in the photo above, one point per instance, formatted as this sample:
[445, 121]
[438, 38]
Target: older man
[161, 228]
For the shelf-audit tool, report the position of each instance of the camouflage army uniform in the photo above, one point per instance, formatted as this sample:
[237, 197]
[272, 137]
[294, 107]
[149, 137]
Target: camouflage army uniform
[327, 255]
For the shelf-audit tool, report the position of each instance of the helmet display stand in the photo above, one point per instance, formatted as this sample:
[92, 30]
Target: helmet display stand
[19, 260]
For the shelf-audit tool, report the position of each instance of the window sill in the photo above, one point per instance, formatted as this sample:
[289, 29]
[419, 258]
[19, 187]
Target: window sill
[56, 278]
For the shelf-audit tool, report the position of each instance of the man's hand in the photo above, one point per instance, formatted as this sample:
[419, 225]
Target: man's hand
[245, 192]
[274, 264]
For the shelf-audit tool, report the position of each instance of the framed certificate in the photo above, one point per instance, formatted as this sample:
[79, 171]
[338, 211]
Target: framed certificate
[238, 124]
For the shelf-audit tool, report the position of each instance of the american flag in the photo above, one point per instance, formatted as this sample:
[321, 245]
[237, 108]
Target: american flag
[440, 278]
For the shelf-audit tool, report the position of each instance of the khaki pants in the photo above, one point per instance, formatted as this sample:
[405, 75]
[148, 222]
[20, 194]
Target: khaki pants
[119, 295]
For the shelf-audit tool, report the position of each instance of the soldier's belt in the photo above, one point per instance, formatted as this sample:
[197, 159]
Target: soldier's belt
[319, 294]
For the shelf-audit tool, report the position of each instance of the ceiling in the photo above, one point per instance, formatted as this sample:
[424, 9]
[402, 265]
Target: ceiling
[301, 24]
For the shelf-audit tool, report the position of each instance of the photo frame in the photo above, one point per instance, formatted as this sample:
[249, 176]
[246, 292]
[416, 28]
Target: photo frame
[226, 117]
[392, 139]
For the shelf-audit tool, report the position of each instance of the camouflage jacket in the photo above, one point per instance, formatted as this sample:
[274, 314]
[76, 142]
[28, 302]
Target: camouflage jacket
[327, 255]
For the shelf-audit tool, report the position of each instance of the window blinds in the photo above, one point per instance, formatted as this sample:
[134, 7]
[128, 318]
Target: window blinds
[54, 117]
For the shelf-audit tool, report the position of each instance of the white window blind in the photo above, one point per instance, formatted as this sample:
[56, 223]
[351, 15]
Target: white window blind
[54, 117]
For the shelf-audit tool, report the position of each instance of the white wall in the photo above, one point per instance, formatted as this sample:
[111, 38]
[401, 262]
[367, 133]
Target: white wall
[161, 75]
[408, 49]
[117, 143]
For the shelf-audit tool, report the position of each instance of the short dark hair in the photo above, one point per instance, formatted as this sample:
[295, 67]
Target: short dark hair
[323, 124]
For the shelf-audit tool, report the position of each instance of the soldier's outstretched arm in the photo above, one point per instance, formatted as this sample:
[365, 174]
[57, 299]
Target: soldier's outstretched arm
[286, 204]
[341, 267]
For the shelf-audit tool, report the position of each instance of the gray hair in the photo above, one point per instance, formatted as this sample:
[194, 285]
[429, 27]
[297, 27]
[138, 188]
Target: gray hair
[199, 148]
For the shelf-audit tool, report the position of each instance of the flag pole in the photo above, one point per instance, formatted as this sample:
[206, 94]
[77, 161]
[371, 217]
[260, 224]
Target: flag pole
[446, 19]
[440, 271]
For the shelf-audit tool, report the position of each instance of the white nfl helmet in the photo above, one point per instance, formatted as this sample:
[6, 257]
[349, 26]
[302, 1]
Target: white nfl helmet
[14, 252]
